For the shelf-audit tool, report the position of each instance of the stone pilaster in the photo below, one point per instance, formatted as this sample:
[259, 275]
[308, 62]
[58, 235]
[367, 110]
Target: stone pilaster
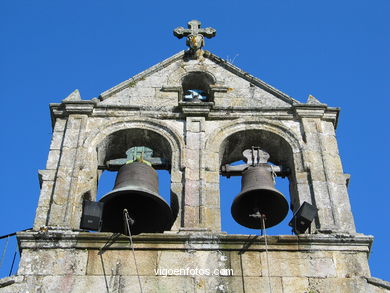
[326, 177]
[194, 133]
[61, 175]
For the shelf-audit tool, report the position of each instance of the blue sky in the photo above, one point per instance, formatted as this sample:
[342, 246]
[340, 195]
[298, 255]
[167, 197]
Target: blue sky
[338, 51]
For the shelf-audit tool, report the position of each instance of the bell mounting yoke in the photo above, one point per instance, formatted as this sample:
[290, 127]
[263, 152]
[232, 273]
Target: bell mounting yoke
[254, 157]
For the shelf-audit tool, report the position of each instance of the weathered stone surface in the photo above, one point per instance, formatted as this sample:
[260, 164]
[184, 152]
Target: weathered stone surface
[254, 285]
[349, 264]
[122, 262]
[251, 264]
[210, 217]
[52, 160]
[53, 262]
[294, 285]
[192, 174]
[347, 285]
[192, 190]
[289, 264]
[56, 140]
[211, 197]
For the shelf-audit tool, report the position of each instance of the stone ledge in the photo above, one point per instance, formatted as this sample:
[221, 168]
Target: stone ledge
[200, 240]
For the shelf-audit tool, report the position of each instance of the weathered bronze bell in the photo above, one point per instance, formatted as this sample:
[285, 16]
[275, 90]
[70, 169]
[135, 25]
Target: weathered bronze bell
[259, 196]
[136, 189]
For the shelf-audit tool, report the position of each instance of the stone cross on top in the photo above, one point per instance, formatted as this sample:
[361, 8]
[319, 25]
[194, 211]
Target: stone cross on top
[195, 35]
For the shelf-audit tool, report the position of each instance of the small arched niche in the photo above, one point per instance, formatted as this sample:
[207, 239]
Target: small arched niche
[196, 87]
[231, 151]
[115, 146]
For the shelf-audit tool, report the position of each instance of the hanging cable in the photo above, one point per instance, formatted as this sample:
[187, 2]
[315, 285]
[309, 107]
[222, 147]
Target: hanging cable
[13, 234]
[266, 250]
[102, 250]
[129, 221]
[262, 218]
[104, 270]
[13, 262]
[4, 251]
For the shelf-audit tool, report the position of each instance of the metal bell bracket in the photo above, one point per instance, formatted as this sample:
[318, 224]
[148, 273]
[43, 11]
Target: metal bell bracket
[254, 157]
[136, 154]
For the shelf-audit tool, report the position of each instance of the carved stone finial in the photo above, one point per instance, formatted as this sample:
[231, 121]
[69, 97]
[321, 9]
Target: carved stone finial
[195, 35]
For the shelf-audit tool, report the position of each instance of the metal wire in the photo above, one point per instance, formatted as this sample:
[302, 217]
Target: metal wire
[128, 220]
[4, 251]
[266, 251]
[13, 262]
[104, 270]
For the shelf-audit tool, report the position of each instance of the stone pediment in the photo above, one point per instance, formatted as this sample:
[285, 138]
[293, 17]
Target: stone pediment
[161, 86]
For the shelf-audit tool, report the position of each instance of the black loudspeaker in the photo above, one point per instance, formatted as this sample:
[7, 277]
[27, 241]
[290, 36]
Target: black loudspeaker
[303, 217]
[91, 218]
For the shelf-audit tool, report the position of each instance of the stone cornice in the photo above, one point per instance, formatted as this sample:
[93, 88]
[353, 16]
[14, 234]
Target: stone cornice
[299, 111]
[66, 108]
[198, 240]
[321, 111]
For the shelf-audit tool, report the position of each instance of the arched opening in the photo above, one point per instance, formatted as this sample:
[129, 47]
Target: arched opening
[196, 87]
[114, 153]
[231, 153]
[116, 144]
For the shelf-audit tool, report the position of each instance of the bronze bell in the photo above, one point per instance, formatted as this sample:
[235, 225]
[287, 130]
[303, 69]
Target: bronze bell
[259, 196]
[136, 189]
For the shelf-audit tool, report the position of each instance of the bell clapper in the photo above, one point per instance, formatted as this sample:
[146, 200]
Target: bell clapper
[128, 221]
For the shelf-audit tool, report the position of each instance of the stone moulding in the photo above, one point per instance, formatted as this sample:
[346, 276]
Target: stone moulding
[206, 241]
[215, 139]
[206, 109]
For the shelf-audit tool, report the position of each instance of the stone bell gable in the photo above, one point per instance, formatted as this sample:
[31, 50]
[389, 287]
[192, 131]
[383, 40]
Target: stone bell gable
[193, 115]
[196, 137]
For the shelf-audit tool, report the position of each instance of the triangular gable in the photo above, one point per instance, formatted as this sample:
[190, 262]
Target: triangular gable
[149, 88]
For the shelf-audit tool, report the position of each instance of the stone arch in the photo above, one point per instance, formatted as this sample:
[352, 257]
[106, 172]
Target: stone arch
[175, 141]
[284, 147]
[151, 133]
[217, 138]
[176, 77]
